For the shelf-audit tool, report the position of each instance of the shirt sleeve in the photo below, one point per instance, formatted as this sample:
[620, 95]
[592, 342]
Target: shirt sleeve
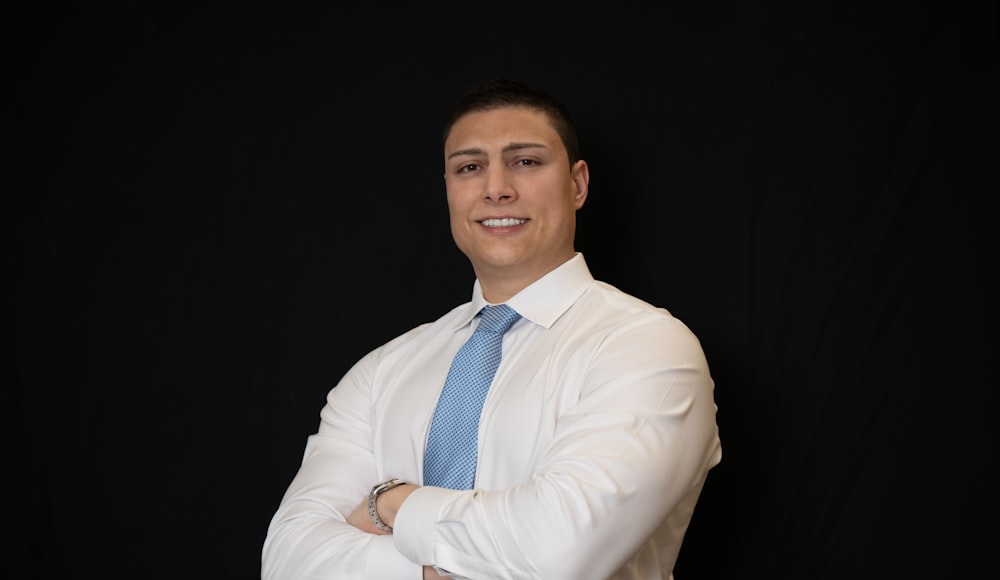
[626, 463]
[309, 536]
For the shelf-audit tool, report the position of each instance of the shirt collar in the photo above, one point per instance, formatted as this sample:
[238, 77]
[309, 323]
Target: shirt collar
[545, 299]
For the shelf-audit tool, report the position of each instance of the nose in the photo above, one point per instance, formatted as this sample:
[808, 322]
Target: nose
[498, 186]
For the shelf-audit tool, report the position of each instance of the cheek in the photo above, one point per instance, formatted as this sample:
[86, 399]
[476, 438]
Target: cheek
[458, 222]
[564, 207]
[459, 195]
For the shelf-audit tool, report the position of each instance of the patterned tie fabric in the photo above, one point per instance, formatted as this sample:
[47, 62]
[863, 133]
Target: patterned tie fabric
[452, 445]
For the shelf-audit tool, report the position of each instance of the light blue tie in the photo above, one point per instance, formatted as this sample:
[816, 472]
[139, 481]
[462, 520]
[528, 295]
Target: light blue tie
[452, 444]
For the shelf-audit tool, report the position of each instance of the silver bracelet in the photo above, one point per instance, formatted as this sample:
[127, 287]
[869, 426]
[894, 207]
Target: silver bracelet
[373, 496]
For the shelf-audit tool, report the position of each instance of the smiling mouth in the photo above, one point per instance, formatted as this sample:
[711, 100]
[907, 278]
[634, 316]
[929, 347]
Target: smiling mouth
[502, 222]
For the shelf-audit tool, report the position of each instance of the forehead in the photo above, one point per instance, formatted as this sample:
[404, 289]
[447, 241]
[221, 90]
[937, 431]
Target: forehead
[499, 127]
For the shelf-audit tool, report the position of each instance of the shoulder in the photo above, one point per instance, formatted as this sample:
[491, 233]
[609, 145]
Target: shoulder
[608, 302]
[615, 316]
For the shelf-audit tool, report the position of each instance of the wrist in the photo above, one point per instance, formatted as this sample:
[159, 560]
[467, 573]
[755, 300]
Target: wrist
[373, 497]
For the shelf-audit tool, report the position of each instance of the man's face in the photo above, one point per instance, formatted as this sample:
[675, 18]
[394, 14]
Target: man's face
[512, 194]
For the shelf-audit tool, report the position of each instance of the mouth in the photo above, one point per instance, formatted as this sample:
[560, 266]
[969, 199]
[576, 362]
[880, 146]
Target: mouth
[502, 222]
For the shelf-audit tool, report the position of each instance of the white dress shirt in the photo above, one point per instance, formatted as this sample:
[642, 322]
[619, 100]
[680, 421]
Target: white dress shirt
[594, 443]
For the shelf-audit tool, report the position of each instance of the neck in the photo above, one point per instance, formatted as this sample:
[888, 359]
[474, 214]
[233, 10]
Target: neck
[502, 283]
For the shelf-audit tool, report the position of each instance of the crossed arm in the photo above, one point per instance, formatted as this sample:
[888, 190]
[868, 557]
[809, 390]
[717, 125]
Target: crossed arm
[626, 453]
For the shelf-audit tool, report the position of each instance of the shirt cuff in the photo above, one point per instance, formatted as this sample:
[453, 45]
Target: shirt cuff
[414, 526]
[385, 561]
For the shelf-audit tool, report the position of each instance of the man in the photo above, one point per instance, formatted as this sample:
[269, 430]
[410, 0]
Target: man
[597, 431]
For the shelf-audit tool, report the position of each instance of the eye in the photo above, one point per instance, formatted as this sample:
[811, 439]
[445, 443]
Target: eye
[467, 168]
[526, 162]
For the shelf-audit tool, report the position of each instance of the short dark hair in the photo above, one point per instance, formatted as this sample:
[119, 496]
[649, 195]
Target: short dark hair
[504, 92]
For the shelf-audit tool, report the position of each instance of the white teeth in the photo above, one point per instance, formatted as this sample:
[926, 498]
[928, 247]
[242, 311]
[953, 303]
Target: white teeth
[503, 222]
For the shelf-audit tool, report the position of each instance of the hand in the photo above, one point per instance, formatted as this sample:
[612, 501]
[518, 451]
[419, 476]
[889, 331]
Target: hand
[431, 574]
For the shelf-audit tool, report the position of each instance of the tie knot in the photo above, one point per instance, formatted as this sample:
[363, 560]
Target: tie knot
[497, 318]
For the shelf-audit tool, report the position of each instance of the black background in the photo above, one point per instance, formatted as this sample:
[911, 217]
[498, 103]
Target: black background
[211, 212]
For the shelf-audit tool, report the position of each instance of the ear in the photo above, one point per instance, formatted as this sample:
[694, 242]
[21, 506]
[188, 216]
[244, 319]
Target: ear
[580, 174]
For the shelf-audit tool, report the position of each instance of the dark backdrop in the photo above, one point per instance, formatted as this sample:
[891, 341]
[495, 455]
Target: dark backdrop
[210, 213]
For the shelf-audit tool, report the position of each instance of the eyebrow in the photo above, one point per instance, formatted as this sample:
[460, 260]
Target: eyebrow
[506, 149]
